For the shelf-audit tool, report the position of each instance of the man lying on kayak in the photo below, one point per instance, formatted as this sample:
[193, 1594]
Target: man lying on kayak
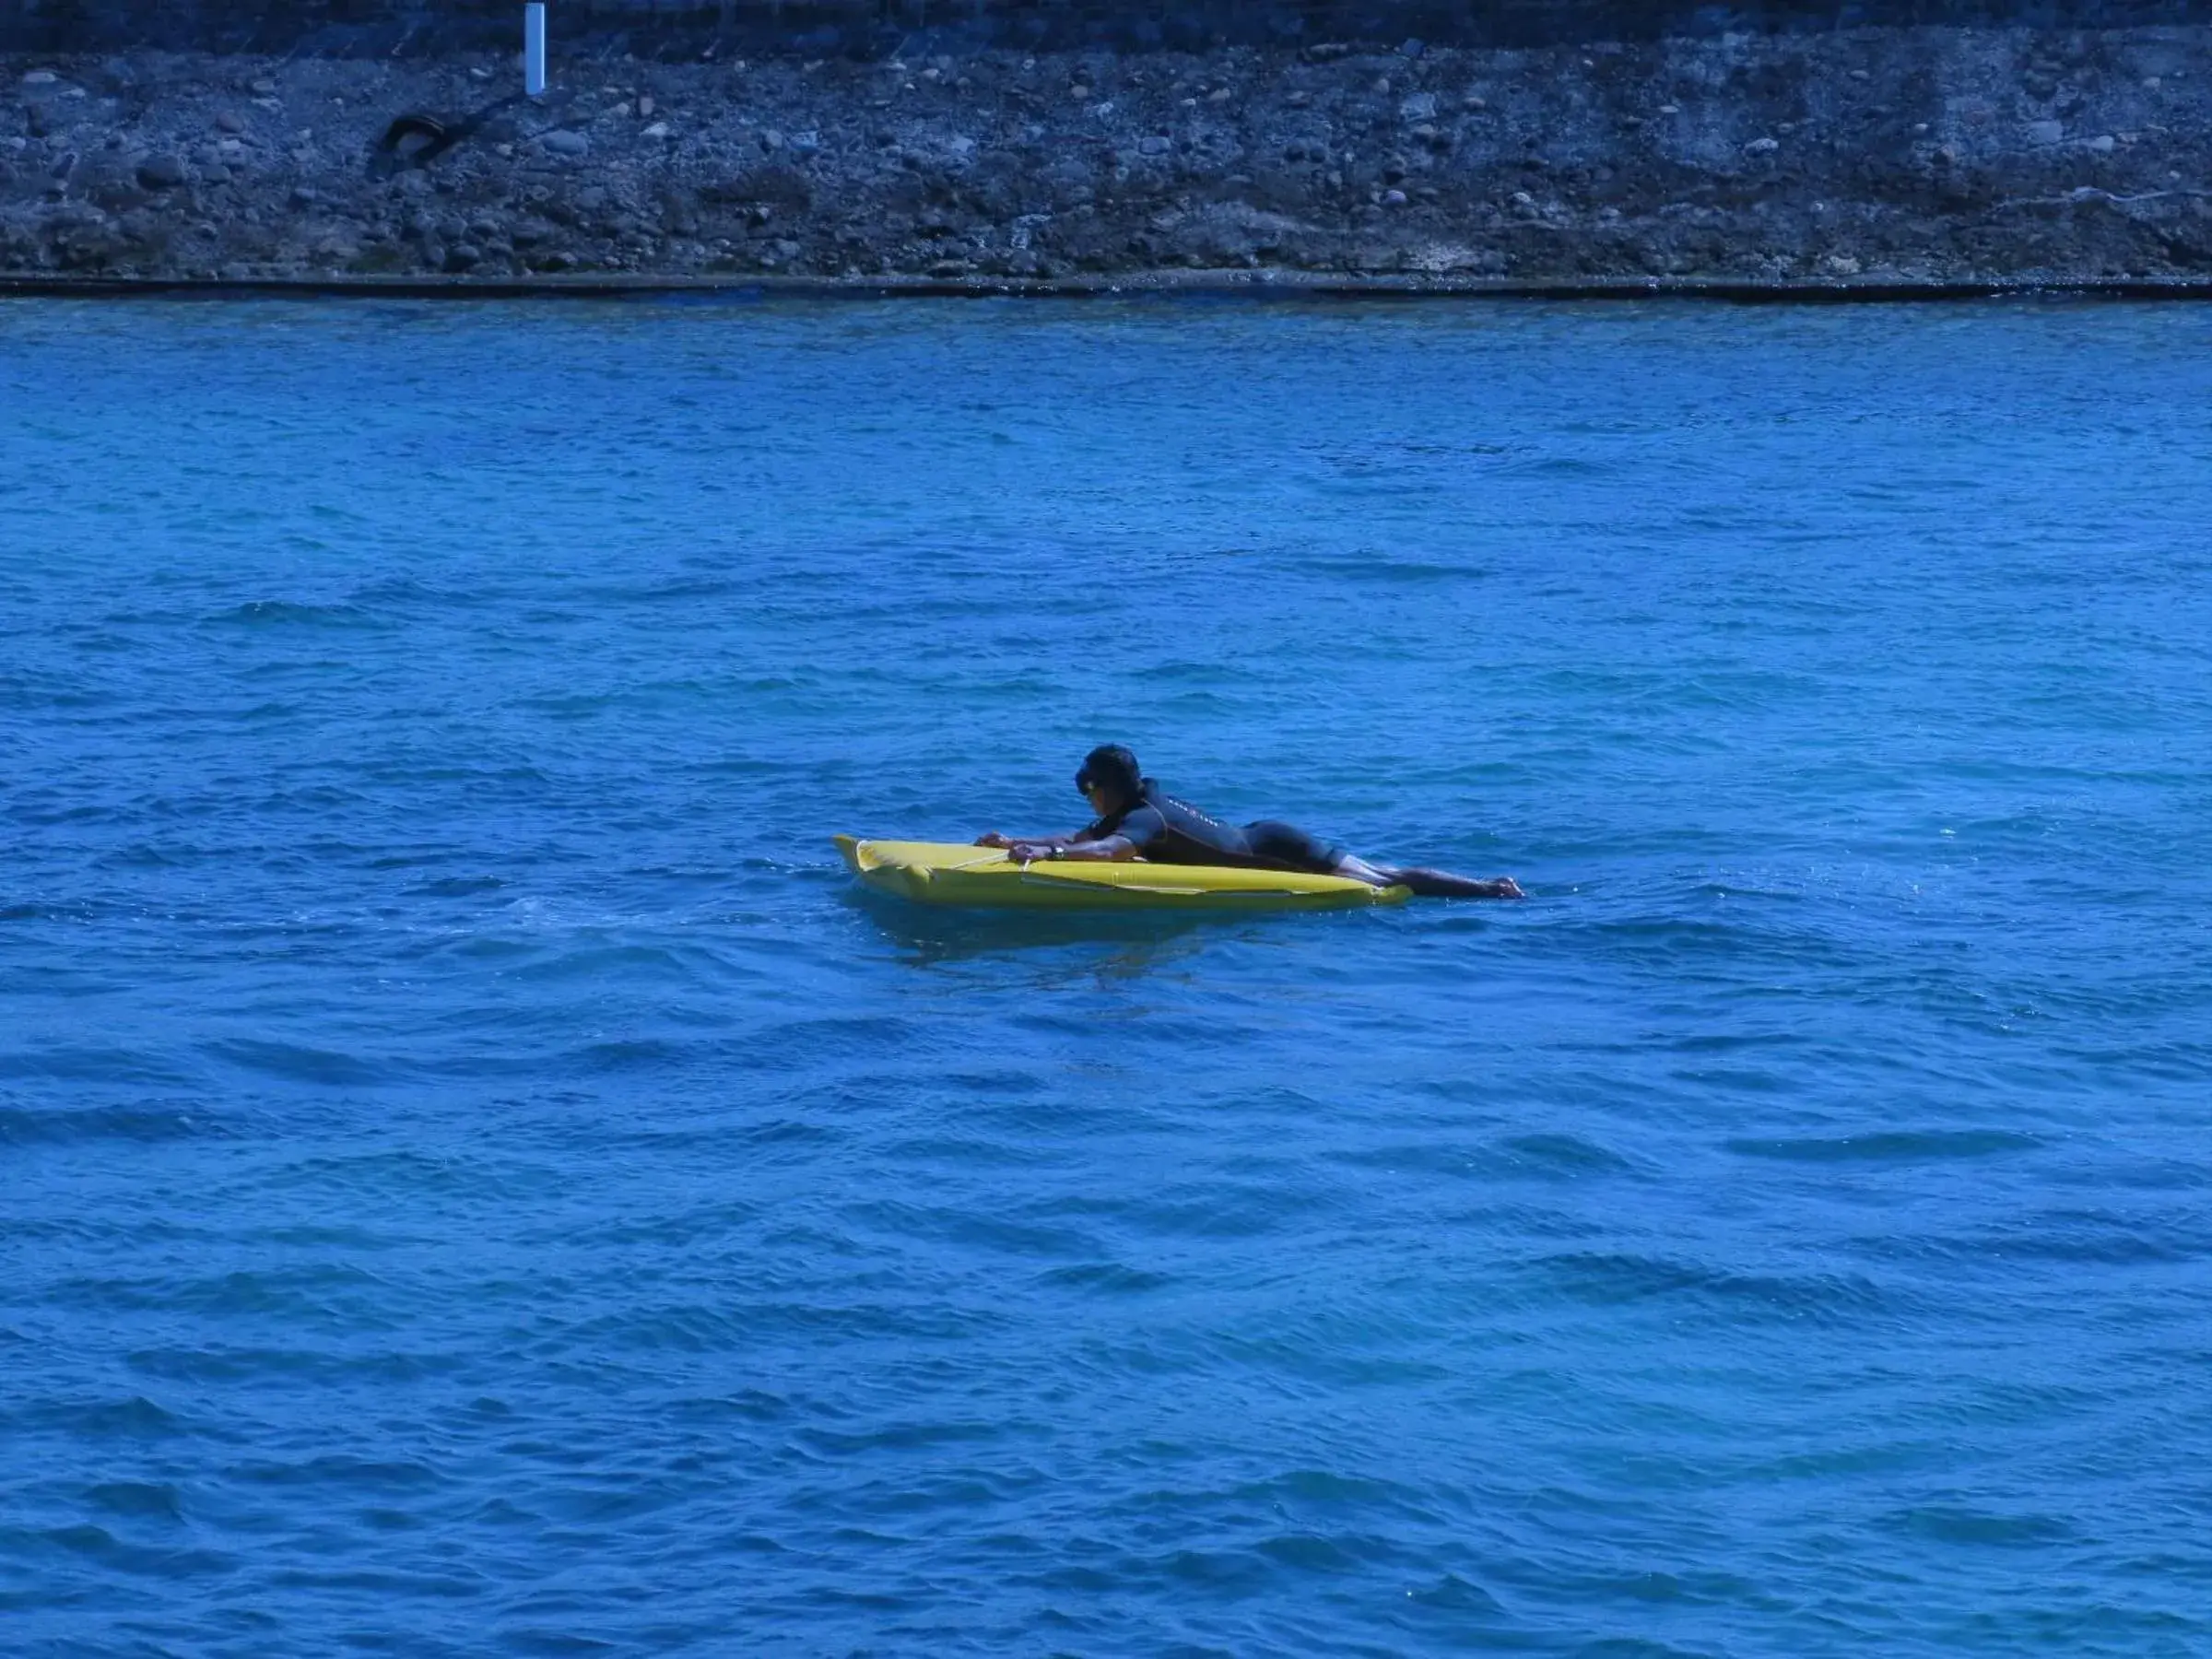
[1138, 820]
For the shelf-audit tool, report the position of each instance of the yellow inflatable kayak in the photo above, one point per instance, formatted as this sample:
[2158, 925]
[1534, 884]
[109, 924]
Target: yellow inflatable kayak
[947, 873]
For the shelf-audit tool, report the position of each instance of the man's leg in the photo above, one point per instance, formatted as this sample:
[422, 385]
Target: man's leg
[1429, 884]
[1293, 849]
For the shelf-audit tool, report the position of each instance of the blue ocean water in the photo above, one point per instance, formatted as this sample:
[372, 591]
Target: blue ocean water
[475, 1178]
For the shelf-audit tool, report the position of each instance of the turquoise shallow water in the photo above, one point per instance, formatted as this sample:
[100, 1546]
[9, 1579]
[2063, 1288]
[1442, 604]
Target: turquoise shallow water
[473, 1178]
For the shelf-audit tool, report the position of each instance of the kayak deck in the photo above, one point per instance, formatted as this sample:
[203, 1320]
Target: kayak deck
[949, 874]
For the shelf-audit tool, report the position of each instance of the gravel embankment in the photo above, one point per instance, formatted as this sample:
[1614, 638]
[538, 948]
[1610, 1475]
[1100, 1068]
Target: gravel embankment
[1901, 154]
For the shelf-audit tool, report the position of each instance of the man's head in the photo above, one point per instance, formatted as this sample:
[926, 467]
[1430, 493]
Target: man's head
[1110, 779]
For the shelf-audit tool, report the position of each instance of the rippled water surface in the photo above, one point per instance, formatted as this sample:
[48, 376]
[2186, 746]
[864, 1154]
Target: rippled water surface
[475, 1179]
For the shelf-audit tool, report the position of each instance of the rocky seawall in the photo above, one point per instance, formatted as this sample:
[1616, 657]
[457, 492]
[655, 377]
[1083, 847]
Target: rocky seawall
[1896, 154]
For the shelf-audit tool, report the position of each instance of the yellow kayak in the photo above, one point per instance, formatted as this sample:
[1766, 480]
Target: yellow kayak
[948, 873]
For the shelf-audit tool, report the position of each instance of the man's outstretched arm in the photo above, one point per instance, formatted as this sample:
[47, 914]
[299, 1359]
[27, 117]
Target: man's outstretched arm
[1112, 849]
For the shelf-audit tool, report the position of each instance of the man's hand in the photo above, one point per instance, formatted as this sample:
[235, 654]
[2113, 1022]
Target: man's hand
[1028, 852]
[992, 838]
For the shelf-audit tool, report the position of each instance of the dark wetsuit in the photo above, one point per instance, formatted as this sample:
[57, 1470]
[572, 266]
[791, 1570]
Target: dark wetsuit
[1167, 830]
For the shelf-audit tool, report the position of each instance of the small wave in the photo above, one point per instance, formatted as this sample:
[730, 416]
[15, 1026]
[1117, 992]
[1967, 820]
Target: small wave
[284, 613]
[1227, 1573]
[748, 1405]
[350, 1473]
[782, 1139]
[630, 1054]
[1956, 1524]
[1543, 1157]
[1223, 1211]
[98, 1544]
[969, 1230]
[91, 1064]
[158, 1500]
[1613, 1278]
[1451, 1593]
[1317, 1552]
[668, 590]
[603, 962]
[1890, 1146]
[1105, 1278]
[295, 1063]
[899, 1437]
[816, 1320]
[456, 887]
[1409, 570]
[288, 1368]
[1310, 1492]
[406, 591]
[300, 1294]
[1568, 1156]
[39, 910]
[2091, 1237]
[32, 1126]
[132, 1419]
[682, 1329]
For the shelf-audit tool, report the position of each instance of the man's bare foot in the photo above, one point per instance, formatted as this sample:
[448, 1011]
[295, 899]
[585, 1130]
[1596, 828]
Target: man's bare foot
[1442, 884]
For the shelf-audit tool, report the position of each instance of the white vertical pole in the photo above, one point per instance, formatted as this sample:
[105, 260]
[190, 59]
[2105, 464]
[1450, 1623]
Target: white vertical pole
[534, 48]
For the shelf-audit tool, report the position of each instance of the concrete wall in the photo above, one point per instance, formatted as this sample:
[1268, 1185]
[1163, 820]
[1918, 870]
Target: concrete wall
[685, 29]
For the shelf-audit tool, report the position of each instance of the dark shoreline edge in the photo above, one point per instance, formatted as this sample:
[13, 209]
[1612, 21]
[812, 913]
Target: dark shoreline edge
[1206, 285]
[1923, 161]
